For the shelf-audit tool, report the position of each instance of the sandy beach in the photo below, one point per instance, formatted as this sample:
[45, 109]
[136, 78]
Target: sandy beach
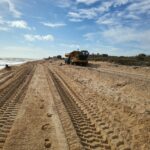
[53, 106]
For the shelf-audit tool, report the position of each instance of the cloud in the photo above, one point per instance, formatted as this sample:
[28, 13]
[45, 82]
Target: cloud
[121, 2]
[30, 37]
[106, 21]
[6, 25]
[105, 6]
[87, 2]
[120, 35]
[53, 25]
[82, 14]
[123, 18]
[11, 7]
[21, 24]
[116, 19]
[89, 13]
[140, 7]
[109, 20]
[130, 10]
[123, 38]
[74, 15]
[125, 35]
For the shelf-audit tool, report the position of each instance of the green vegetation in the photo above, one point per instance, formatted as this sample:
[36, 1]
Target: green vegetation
[139, 60]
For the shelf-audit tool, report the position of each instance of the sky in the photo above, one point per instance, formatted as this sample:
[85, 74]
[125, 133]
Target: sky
[42, 28]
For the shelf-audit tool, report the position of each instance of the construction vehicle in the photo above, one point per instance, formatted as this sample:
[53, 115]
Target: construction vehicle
[77, 58]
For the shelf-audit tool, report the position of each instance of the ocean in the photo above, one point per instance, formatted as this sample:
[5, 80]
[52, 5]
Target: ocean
[12, 61]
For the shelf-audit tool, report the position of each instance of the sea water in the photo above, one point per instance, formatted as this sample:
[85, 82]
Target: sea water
[12, 61]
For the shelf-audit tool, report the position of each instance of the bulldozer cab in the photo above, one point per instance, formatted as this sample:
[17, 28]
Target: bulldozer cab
[83, 55]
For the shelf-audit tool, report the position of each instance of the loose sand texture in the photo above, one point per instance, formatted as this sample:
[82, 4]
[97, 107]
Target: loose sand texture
[37, 124]
[50, 105]
[122, 97]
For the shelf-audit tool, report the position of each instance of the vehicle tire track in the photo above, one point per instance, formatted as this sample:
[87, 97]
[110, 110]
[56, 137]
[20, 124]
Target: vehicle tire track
[90, 138]
[10, 104]
[107, 137]
[7, 90]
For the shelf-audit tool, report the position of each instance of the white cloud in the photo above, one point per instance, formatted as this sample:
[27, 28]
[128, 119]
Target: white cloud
[18, 24]
[74, 15]
[11, 7]
[140, 7]
[53, 25]
[121, 2]
[124, 38]
[119, 35]
[82, 14]
[130, 11]
[6, 25]
[89, 13]
[108, 19]
[87, 2]
[104, 7]
[123, 18]
[30, 37]
[125, 35]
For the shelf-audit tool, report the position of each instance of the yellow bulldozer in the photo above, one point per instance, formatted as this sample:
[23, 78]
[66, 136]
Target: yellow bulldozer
[77, 57]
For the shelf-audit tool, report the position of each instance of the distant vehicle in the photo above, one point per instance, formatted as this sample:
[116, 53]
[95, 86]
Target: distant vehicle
[77, 58]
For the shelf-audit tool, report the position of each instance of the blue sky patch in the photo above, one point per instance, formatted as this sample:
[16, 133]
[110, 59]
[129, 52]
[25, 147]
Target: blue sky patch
[37, 29]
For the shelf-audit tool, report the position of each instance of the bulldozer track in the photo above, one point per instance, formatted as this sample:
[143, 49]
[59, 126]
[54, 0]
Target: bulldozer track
[11, 98]
[93, 132]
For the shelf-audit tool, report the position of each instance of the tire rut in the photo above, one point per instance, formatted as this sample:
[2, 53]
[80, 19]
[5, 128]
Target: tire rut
[90, 138]
[101, 133]
[10, 102]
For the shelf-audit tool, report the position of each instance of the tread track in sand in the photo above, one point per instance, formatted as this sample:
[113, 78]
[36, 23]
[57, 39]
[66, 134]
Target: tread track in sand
[89, 136]
[10, 99]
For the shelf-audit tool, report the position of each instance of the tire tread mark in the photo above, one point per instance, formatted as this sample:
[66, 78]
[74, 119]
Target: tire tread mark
[92, 112]
[81, 122]
[9, 109]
